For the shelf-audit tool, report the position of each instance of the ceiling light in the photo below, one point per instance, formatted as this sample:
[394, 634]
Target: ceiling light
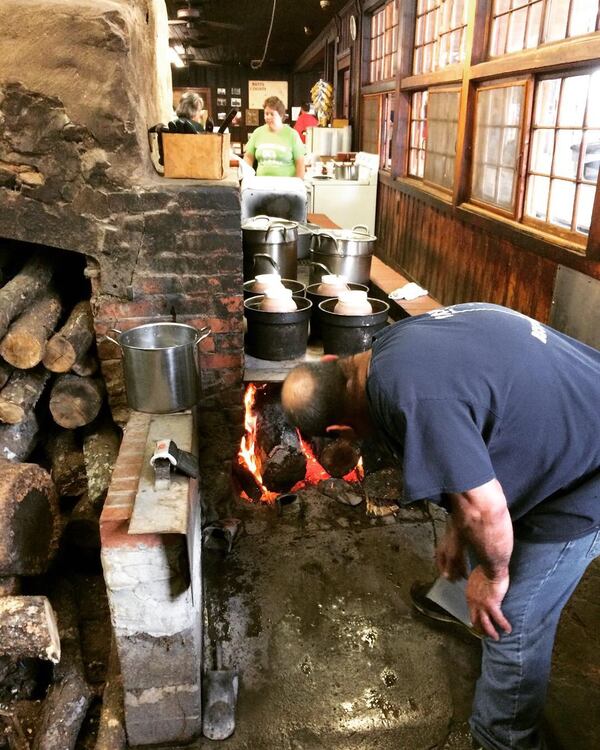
[324, 4]
[175, 59]
[307, 30]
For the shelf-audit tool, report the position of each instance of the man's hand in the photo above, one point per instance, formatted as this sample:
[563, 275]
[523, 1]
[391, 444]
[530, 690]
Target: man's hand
[484, 597]
[450, 554]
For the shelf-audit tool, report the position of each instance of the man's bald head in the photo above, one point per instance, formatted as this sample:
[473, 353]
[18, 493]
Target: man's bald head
[314, 396]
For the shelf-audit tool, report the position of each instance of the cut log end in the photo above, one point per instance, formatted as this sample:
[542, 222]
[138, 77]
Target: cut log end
[28, 628]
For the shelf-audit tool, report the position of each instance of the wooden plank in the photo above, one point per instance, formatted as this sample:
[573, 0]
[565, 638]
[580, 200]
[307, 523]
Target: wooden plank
[163, 511]
[323, 221]
[554, 56]
[449, 74]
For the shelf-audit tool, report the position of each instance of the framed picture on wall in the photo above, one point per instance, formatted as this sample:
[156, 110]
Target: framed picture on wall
[236, 101]
[221, 115]
[204, 92]
[221, 92]
[252, 118]
[221, 101]
[236, 92]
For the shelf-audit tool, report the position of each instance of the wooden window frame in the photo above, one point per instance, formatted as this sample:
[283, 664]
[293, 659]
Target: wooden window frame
[436, 186]
[568, 234]
[522, 158]
[559, 58]
[372, 13]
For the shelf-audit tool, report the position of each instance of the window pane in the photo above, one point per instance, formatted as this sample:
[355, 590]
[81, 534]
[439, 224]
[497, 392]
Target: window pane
[593, 108]
[566, 155]
[516, 30]
[557, 15]
[573, 100]
[501, 5]
[591, 156]
[562, 201]
[496, 152]
[442, 122]
[537, 197]
[499, 34]
[583, 17]
[546, 102]
[585, 205]
[542, 149]
[534, 26]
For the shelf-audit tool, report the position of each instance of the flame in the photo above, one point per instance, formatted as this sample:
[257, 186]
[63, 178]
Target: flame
[247, 454]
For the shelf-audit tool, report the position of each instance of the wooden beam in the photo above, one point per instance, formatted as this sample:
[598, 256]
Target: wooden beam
[475, 50]
[401, 134]
[449, 74]
[558, 55]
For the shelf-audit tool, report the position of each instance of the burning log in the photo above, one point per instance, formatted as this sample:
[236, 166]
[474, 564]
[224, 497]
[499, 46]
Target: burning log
[21, 394]
[69, 697]
[73, 340]
[29, 519]
[67, 464]
[337, 456]
[17, 294]
[24, 344]
[280, 458]
[247, 481]
[111, 726]
[17, 441]
[28, 628]
[75, 401]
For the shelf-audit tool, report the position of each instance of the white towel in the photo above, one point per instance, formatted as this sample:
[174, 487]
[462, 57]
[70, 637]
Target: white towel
[409, 292]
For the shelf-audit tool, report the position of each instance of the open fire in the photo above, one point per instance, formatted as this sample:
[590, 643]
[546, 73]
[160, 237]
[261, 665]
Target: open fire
[248, 454]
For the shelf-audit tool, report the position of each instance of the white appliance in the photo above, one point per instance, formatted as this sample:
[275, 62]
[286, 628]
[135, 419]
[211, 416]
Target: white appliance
[346, 202]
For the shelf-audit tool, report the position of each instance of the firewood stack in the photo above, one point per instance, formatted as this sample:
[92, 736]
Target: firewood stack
[46, 355]
[53, 415]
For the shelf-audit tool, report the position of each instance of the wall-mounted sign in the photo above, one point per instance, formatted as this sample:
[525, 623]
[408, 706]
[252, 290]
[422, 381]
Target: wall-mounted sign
[258, 91]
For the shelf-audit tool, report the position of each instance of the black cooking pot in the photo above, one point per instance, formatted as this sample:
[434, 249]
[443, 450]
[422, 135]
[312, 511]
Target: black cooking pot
[316, 299]
[276, 336]
[350, 334]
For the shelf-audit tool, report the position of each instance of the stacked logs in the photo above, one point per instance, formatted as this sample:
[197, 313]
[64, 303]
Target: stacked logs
[48, 387]
[44, 350]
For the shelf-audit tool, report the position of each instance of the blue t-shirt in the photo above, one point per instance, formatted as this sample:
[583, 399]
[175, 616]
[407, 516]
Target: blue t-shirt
[474, 392]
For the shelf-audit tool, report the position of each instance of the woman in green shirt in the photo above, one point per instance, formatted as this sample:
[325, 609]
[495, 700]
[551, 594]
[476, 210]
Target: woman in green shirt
[276, 147]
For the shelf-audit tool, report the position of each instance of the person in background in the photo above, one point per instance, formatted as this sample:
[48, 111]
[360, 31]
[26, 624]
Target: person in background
[276, 147]
[305, 121]
[495, 417]
[189, 113]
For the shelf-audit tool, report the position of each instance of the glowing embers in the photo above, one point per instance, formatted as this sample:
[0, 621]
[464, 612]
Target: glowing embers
[274, 458]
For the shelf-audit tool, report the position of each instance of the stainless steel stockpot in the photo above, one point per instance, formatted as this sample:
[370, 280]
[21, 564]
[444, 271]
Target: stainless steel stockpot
[161, 366]
[345, 252]
[276, 238]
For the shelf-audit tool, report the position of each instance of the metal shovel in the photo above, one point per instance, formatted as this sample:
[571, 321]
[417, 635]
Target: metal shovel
[220, 698]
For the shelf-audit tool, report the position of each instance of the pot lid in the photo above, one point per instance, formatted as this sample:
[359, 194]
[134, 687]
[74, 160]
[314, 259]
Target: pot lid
[262, 223]
[349, 235]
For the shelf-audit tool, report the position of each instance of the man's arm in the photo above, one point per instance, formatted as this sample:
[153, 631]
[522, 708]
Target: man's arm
[481, 518]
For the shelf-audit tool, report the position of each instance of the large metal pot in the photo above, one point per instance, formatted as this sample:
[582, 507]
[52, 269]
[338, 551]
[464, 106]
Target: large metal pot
[161, 366]
[305, 235]
[346, 170]
[269, 236]
[345, 252]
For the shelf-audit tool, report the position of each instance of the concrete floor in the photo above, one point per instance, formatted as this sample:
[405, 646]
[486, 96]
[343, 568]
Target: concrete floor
[312, 607]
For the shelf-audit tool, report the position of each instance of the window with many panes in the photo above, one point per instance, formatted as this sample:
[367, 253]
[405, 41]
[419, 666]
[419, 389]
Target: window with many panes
[498, 132]
[384, 43]
[418, 134]
[440, 144]
[371, 123]
[524, 24]
[564, 155]
[440, 34]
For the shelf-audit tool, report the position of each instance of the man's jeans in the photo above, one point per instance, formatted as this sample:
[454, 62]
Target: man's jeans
[511, 691]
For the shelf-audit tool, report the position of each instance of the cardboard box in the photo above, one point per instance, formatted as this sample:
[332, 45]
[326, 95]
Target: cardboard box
[204, 156]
